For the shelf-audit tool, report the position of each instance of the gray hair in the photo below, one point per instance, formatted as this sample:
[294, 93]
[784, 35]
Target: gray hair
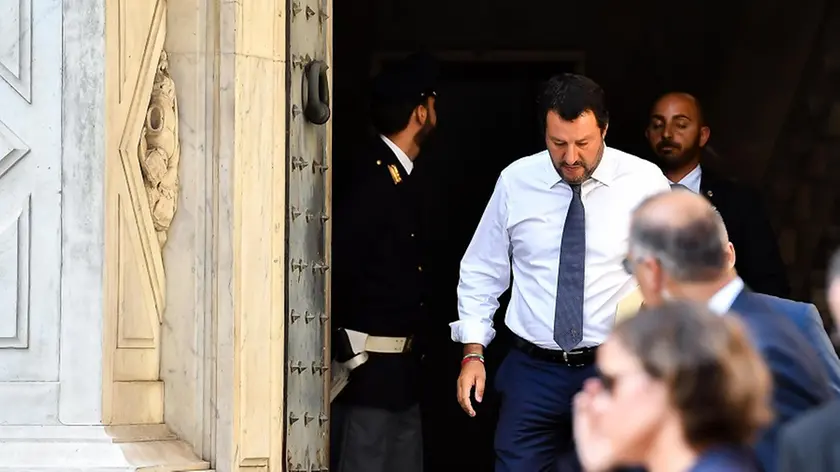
[695, 251]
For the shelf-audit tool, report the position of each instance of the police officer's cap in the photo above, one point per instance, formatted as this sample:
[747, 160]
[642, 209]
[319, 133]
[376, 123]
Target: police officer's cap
[411, 80]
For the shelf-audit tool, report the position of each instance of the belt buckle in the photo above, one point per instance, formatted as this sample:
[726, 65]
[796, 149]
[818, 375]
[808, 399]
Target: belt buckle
[569, 359]
[408, 342]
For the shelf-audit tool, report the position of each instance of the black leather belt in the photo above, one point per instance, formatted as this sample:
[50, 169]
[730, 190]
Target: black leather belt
[582, 357]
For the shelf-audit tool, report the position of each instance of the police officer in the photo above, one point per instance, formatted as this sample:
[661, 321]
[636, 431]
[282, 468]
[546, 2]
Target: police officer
[378, 282]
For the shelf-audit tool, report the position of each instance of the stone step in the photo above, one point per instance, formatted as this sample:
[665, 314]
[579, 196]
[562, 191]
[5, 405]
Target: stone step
[96, 449]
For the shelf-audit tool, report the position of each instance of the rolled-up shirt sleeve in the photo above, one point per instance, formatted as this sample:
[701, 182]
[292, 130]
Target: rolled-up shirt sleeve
[485, 273]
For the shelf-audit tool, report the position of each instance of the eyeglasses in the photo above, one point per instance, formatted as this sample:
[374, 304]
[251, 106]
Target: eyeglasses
[628, 265]
[609, 382]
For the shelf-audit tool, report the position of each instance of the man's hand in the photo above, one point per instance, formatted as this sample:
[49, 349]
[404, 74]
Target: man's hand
[472, 375]
[594, 450]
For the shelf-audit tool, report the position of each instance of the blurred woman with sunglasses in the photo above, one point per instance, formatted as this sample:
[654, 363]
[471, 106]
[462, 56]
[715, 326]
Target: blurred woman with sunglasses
[679, 390]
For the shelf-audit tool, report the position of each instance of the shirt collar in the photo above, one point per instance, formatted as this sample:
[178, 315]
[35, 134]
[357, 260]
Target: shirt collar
[406, 163]
[692, 179]
[722, 301]
[604, 173]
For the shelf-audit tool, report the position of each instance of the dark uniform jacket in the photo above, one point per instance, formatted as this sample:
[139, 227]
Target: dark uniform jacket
[758, 260]
[378, 279]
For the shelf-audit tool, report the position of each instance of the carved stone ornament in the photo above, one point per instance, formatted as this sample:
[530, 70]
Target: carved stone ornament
[160, 151]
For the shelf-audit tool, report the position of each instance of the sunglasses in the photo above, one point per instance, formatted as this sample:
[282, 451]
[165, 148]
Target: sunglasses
[607, 381]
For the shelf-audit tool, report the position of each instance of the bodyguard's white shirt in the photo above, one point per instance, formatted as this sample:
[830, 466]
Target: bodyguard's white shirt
[521, 229]
[692, 180]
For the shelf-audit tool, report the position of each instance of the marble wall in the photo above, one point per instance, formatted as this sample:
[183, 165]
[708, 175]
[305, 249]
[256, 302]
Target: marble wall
[56, 368]
[44, 276]
[188, 336]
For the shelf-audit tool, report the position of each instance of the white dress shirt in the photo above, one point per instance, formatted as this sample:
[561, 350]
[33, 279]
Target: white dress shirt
[722, 301]
[692, 180]
[522, 228]
[406, 162]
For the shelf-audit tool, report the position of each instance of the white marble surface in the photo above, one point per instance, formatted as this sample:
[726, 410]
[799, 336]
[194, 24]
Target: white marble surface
[30, 210]
[223, 192]
[83, 169]
[94, 449]
[187, 352]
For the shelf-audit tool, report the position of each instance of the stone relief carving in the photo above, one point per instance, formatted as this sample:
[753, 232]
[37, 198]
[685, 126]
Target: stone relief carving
[160, 151]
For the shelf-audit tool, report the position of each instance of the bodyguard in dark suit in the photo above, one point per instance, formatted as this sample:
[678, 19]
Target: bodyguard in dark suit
[810, 442]
[678, 133]
[378, 283]
[679, 249]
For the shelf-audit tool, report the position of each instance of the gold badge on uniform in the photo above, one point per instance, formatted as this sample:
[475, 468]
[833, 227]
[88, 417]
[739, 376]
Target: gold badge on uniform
[395, 174]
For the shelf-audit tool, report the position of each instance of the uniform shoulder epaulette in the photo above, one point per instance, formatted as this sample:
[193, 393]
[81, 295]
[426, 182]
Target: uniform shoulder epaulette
[395, 173]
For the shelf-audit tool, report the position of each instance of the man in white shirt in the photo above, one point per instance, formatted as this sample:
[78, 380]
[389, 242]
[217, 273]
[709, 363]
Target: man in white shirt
[558, 220]
[679, 249]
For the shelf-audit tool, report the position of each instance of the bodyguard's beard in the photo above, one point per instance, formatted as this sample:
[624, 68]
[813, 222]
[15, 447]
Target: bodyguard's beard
[670, 156]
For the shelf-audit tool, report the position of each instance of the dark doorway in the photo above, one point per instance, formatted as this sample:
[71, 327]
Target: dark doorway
[487, 118]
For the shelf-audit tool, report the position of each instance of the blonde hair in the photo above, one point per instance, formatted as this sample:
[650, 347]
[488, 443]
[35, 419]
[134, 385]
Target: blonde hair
[716, 379]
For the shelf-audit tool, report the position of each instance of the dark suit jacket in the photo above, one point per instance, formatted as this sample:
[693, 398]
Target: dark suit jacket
[758, 259]
[726, 459]
[807, 318]
[800, 380]
[809, 444]
[378, 279]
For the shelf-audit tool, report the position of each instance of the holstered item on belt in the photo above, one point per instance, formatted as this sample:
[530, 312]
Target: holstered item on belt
[350, 350]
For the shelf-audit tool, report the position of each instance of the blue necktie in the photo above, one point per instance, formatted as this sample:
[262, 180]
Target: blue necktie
[568, 312]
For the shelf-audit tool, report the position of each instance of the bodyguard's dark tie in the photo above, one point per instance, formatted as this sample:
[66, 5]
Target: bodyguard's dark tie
[679, 187]
[568, 312]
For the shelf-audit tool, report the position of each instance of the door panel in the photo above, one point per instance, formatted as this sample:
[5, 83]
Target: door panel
[308, 205]
[30, 208]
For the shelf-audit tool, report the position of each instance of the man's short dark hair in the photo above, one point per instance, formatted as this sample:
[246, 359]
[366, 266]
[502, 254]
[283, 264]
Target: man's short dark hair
[399, 88]
[694, 251]
[571, 95]
[392, 117]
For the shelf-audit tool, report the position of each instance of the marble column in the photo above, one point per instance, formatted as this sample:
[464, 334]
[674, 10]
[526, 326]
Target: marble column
[142, 235]
[80, 297]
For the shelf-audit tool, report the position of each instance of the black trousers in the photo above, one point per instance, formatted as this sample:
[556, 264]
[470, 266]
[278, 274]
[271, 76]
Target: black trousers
[366, 439]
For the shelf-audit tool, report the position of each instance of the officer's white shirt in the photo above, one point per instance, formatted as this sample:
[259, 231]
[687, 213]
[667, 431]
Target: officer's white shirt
[521, 229]
[407, 163]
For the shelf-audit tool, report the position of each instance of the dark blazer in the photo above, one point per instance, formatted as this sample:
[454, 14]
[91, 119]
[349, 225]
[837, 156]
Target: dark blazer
[378, 283]
[809, 443]
[758, 259]
[800, 380]
[807, 318]
[726, 459]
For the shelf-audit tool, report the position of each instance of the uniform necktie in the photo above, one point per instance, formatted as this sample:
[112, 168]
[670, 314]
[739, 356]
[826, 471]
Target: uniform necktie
[678, 187]
[568, 311]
